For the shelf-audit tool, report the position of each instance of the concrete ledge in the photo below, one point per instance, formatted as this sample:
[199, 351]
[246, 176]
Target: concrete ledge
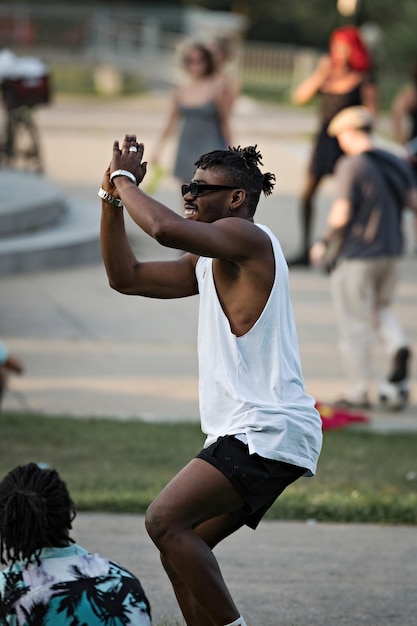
[29, 202]
[74, 240]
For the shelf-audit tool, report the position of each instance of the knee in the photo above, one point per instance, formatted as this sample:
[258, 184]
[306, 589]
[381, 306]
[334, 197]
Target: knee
[157, 524]
[152, 522]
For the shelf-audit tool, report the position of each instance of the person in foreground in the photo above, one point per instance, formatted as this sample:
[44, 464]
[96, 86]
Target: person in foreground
[263, 431]
[373, 186]
[51, 579]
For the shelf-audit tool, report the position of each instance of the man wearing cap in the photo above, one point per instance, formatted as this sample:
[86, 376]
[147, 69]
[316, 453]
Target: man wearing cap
[373, 186]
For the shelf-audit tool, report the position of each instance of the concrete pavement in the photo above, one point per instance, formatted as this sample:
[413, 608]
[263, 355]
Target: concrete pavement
[284, 573]
[90, 351]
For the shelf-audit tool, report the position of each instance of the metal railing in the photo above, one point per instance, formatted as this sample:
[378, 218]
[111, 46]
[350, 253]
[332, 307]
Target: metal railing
[140, 41]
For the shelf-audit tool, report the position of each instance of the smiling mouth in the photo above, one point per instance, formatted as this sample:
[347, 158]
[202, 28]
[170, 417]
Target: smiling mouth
[189, 211]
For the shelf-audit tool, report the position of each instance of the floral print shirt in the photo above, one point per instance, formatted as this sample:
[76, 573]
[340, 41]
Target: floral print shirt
[71, 587]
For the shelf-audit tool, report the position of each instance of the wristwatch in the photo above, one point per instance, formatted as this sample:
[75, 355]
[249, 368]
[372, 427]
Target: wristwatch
[107, 197]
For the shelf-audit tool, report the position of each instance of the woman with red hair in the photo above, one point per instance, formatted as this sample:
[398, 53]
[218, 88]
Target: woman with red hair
[342, 78]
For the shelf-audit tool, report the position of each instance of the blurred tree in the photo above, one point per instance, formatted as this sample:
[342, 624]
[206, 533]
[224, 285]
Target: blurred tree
[401, 40]
[310, 23]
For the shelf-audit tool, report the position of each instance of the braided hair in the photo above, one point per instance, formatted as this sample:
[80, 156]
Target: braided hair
[36, 511]
[241, 166]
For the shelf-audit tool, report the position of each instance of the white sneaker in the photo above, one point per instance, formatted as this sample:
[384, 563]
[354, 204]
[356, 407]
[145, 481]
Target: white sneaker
[394, 396]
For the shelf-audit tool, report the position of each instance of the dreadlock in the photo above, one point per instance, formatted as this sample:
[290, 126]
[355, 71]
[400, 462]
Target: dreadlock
[241, 166]
[36, 511]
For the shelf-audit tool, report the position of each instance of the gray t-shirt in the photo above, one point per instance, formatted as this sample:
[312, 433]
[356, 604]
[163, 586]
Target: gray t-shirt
[376, 186]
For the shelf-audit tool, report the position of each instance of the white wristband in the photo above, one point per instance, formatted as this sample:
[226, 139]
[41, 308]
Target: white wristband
[128, 175]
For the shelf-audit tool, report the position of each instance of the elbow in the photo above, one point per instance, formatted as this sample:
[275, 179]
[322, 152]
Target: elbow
[119, 286]
[124, 284]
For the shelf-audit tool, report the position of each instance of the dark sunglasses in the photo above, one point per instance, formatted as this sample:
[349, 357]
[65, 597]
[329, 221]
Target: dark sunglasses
[196, 188]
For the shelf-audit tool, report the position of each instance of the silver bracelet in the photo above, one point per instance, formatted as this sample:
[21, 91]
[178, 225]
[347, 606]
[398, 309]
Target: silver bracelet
[107, 197]
[126, 173]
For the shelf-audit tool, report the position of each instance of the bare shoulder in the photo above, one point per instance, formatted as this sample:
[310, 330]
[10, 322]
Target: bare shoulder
[249, 247]
[245, 231]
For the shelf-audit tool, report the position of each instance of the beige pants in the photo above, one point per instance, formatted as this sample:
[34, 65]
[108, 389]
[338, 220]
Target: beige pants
[363, 292]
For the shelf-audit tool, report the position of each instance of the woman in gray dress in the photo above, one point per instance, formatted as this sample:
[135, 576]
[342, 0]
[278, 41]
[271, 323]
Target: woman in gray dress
[198, 110]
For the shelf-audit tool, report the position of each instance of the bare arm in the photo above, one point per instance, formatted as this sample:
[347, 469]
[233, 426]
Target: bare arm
[369, 94]
[227, 238]
[411, 199]
[170, 126]
[337, 219]
[309, 87]
[403, 103]
[224, 101]
[339, 214]
[232, 239]
[126, 274]
[9, 363]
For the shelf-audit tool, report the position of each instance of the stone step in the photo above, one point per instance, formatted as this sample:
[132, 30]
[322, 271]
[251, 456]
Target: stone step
[29, 202]
[73, 241]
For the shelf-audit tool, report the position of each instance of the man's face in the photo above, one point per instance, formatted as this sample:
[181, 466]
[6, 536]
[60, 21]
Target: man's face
[346, 139]
[210, 204]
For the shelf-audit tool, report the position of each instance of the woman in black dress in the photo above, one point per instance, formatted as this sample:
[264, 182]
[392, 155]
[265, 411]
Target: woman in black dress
[342, 79]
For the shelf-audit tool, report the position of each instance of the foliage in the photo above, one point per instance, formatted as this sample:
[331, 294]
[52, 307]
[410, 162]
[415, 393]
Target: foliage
[121, 466]
[73, 78]
[400, 40]
[310, 23]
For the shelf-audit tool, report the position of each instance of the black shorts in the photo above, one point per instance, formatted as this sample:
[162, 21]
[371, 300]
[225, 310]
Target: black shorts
[258, 480]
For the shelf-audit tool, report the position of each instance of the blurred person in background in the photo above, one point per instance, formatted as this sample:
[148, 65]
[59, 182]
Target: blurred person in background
[222, 51]
[404, 119]
[199, 109]
[373, 186]
[9, 364]
[342, 78]
[51, 579]
[404, 111]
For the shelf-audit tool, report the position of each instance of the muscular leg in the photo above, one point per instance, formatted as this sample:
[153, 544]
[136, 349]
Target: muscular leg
[212, 532]
[186, 520]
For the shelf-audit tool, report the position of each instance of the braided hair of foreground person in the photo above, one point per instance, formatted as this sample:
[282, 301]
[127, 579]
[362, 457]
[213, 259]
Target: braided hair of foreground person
[36, 511]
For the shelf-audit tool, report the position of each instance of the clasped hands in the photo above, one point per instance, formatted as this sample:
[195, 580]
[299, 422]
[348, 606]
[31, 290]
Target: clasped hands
[128, 158]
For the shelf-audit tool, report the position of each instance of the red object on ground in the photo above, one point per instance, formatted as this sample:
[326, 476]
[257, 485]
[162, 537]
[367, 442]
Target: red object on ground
[334, 417]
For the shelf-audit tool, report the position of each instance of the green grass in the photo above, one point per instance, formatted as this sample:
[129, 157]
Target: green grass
[121, 466]
[388, 84]
[76, 79]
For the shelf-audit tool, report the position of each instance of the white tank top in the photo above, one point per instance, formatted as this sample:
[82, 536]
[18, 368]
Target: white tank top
[254, 384]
